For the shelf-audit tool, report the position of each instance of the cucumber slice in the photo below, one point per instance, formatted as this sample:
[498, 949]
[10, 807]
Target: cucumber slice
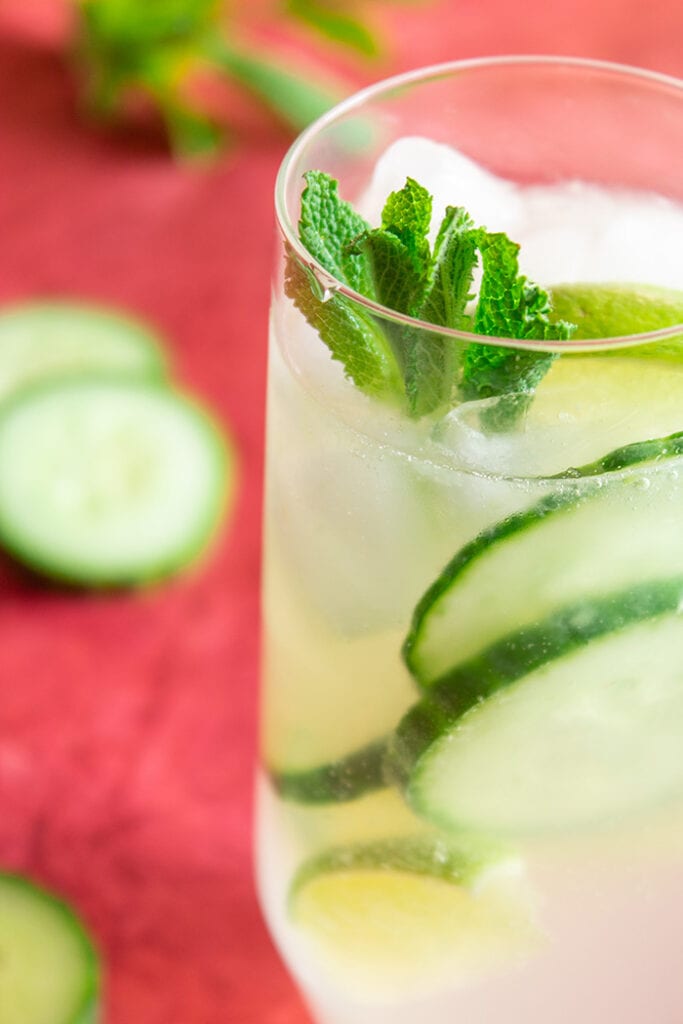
[577, 720]
[108, 481]
[639, 453]
[339, 781]
[49, 969]
[411, 913]
[40, 339]
[618, 531]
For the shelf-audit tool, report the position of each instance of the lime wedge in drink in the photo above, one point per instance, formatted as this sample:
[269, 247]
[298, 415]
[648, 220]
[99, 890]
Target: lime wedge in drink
[411, 913]
[614, 310]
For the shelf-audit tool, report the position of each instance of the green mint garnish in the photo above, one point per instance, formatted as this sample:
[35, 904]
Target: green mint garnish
[432, 359]
[509, 306]
[395, 266]
[328, 228]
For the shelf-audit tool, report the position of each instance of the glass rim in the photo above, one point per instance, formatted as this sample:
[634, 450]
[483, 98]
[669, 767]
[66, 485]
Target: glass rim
[337, 113]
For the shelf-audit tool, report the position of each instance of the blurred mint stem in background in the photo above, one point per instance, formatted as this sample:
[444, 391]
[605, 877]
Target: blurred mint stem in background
[156, 48]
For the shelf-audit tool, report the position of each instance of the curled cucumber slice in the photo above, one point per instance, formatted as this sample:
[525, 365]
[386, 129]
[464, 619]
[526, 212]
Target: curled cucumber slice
[339, 781]
[43, 338]
[575, 721]
[589, 537]
[49, 968]
[109, 481]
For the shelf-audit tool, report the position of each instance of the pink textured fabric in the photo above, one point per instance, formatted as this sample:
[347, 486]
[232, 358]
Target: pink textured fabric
[128, 722]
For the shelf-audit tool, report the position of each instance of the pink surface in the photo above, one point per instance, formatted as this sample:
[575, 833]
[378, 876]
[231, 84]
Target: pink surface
[127, 723]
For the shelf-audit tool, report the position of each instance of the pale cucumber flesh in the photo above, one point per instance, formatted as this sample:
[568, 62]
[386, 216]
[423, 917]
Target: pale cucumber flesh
[590, 538]
[576, 721]
[44, 338]
[49, 971]
[108, 480]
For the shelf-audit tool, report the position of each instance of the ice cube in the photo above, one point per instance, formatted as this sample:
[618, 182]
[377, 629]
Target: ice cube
[568, 231]
[577, 231]
[452, 178]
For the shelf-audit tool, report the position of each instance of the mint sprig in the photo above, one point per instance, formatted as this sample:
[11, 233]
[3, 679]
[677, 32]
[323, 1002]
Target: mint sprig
[395, 266]
[509, 306]
[329, 229]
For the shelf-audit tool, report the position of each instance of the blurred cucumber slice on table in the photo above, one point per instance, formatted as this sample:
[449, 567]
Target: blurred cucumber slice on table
[44, 338]
[49, 968]
[109, 480]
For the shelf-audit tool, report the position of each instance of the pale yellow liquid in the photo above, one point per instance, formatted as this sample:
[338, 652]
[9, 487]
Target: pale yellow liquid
[362, 513]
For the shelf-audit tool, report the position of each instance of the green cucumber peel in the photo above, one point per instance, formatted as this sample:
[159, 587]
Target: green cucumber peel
[175, 438]
[638, 453]
[437, 631]
[395, 760]
[18, 979]
[339, 781]
[554, 726]
[395, 267]
[466, 556]
[366, 770]
[521, 652]
[42, 338]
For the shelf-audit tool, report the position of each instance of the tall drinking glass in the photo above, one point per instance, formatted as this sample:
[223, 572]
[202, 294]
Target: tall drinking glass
[471, 799]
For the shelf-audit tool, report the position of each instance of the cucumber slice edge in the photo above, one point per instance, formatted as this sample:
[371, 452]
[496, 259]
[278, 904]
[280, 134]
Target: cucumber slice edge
[87, 1010]
[435, 720]
[218, 442]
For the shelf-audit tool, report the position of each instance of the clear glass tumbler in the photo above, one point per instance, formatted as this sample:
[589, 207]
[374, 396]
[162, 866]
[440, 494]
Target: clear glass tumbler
[471, 800]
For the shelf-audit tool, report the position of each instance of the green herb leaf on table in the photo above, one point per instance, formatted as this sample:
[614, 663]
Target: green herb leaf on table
[294, 100]
[331, 19]
[120, 46]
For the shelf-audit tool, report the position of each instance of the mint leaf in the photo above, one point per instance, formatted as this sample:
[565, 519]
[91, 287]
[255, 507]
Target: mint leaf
[353, 336]
[407, 214]
[333, 22]
[328, 226]
[452, 272]
[432, 359]
[509, 306]
[390, 272]
[390, 277]
[391, 264]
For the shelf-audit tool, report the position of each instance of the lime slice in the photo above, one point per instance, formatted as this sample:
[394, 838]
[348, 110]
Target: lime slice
[613, 310]
[412, 914]
[49, 971]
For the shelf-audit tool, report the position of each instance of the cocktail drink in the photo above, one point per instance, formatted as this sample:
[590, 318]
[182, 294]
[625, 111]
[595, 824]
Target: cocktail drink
[471, 802]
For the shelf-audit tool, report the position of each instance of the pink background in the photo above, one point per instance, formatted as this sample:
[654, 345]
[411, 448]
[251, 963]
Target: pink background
[128, 723]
